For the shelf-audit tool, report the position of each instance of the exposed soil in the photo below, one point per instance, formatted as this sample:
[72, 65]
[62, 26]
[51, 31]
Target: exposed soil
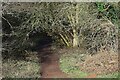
[50, 63]
[49, 60]
[95, 65]
[101, 63]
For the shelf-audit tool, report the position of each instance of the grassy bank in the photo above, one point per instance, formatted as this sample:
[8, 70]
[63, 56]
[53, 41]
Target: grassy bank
[29, 68]
[72, 61]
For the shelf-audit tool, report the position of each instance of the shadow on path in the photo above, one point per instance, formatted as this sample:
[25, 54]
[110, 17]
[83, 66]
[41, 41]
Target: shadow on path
[49, 62]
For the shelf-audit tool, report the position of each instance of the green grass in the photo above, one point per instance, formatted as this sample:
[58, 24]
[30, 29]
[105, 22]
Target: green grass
[20, 79]
[112, 75]
[67, 65]
[21, 68]
[31, 68]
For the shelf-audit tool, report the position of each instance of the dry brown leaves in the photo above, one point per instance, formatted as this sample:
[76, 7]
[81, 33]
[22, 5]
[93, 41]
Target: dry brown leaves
[101, 63]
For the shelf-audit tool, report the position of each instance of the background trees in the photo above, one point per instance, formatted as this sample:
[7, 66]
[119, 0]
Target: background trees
[92, 26]
[64, 19]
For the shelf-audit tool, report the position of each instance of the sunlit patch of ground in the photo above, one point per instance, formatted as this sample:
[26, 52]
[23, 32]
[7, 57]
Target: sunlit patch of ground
[70, 62]
[82, 65]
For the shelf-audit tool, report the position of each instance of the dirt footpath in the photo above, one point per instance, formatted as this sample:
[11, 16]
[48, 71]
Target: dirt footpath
[50, 63]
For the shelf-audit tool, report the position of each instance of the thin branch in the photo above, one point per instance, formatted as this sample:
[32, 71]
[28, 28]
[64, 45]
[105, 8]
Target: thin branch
[7, 21]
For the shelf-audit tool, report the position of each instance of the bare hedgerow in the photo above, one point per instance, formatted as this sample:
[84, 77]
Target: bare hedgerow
[101, 35]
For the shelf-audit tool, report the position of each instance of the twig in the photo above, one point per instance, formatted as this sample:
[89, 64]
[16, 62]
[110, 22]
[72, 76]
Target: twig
[7, 21]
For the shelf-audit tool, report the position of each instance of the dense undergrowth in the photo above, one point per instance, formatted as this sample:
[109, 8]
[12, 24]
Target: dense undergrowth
[28, 68]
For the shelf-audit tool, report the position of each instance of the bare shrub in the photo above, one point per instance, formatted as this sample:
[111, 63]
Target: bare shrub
[102, 34]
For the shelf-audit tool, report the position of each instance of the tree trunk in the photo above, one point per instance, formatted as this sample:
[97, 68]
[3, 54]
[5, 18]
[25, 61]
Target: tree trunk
[75, 38]
[65, 40]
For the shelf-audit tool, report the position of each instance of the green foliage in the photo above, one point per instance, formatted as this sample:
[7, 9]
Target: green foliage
[110, 11]
[100, 6]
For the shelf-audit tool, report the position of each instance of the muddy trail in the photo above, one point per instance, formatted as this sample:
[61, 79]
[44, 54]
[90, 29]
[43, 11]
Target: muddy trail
[49, 62]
